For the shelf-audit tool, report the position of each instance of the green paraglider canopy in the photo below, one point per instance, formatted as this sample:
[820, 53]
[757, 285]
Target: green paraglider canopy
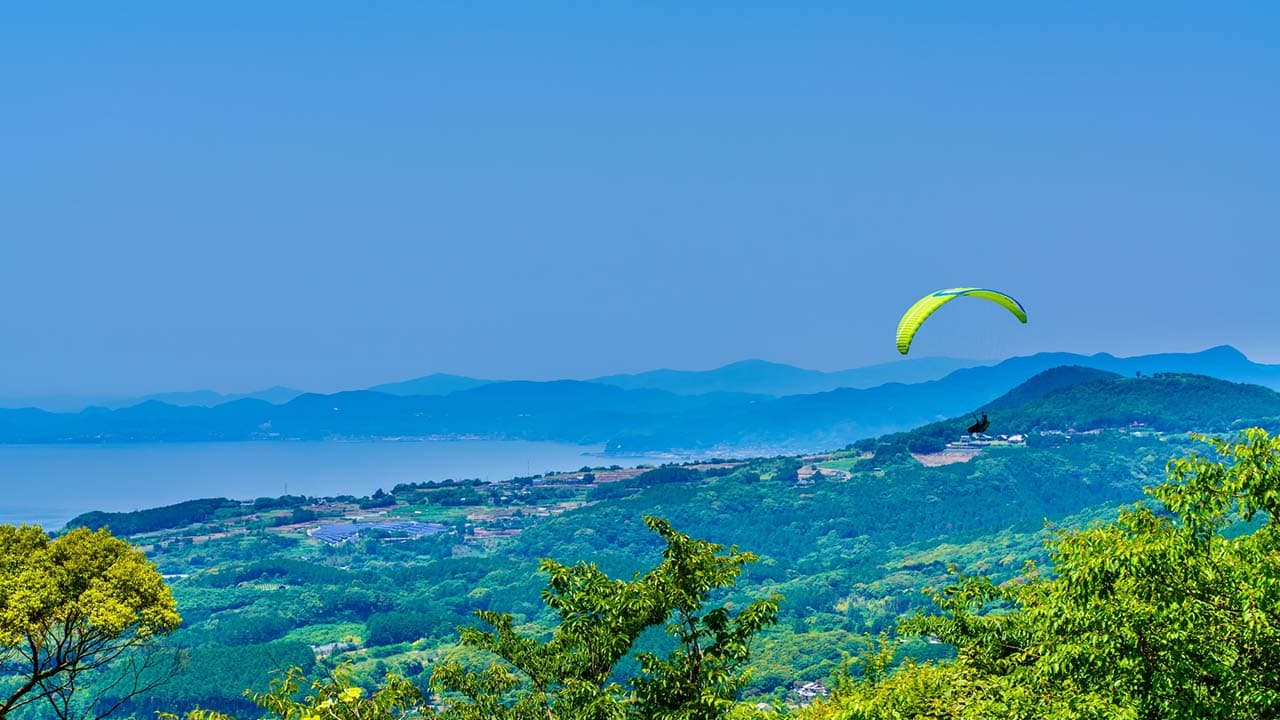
[929, 304]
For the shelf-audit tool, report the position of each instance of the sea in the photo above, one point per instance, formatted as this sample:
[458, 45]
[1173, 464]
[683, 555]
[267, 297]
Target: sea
[48, 485]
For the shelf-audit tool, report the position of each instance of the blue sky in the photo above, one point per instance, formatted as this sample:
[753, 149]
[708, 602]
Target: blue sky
[325, 196]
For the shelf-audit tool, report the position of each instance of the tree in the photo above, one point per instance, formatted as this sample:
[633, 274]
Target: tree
[701, 678]
[78, 618]
[395, 627]
[570, 674]
[330, 698]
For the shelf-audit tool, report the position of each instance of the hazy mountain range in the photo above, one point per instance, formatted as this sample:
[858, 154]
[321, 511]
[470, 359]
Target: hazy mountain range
[769, 378]
[627, 419]
[206, 398]
[747, 376]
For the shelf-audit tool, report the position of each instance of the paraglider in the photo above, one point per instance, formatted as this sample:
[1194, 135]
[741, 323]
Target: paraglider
[929, 304]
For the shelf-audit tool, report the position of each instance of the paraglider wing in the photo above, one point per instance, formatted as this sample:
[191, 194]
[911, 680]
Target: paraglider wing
[929, 304]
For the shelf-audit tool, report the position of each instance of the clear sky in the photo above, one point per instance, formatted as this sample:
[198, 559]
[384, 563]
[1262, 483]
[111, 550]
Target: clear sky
[328, 195]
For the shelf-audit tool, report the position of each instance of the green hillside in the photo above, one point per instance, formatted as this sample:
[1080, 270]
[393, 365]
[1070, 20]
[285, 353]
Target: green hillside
[1047, 382]
[849, 539]
[1076, 398]
[1170, 402]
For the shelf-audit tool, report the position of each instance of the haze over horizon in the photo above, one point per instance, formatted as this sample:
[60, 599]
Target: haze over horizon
[73, 402]
[307, 196]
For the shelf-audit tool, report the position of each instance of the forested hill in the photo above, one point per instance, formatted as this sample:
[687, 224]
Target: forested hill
[1047, 382]
[1171, 402]
[1079, 398]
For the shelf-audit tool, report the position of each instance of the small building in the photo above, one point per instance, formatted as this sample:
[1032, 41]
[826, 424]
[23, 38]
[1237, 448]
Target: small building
[809, 691]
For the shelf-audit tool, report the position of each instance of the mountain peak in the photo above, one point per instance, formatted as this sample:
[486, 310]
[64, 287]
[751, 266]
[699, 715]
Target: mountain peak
[1225, 352]
[433, 384]
[757, 363]
[1045, 382]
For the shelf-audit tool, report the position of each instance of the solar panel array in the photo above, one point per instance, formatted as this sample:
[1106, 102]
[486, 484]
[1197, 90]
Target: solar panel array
[341, 532]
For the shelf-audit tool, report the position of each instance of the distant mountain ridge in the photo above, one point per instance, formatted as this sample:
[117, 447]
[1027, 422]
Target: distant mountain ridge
[770, 378]
[759, 377]
[763, 377]
[626, 420]
[434, 384]
[206, 398]
[834, 418]
[747, 376]
[1222, 361]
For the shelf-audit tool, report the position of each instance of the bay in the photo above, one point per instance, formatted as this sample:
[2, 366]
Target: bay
[50, 484]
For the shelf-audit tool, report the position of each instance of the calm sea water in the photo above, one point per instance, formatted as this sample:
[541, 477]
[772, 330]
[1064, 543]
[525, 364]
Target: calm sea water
[50, 484]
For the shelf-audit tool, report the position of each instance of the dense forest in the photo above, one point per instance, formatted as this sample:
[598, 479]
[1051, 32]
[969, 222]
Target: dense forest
[790, 566]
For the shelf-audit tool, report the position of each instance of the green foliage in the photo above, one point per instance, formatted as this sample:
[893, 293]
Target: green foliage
[216, 677]
[80, 608]
[295, 697]
[298, 515]
[600, 620]
[1202, 403]
[275, 503]
[658, 476]
[1047, 382]
[1080, 398]
[1162, 613]
[152, 519]
[396, 627]
[849, 555]
[703, 676]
